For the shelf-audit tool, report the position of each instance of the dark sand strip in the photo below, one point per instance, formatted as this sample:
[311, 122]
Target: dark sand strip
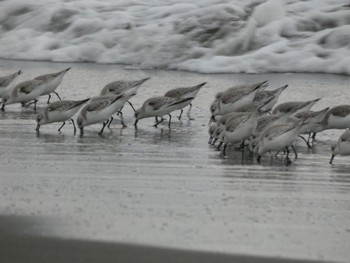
[18, 247]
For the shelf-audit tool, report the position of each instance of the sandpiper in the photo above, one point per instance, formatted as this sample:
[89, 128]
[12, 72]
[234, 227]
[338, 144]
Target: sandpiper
[128, 88]
[295, 106]
[278, 137]
[342, 147]
[7, 81]
[260, 96]
[99, 110]
[52, 81]
[160, 106]
[313, 123]
[240, 127]
[243, 87]
[219, 133]
[24, 92]
[187, 92]
[232, 99]
[118, 110]
[337, 117]
[59, 111]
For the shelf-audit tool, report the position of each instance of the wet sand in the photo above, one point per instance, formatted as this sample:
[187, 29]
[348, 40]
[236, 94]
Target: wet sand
[16, 247]
[135, 192]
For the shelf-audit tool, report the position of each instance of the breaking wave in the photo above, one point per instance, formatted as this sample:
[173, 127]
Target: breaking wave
[213, 36]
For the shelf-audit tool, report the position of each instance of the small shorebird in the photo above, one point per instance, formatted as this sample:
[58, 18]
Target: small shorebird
[241, 126]
[263, 123]
[158, 107]
[296, 106]
[313, 123]
[268, 120]
[6, 81]
[234, 98]
[337, 117]
[260, 96]
[342, 147]
[268, 100]
[59, 111]
[238, 129]
[52, 81]
[24, 92]
[99, 109]
[242, 87]
[117, 110]
[218, 127]
[278, 137]
[219, 133]
[128, 88]
[187, 92]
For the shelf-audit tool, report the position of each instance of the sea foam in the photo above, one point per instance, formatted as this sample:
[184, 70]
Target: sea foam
[212, 36]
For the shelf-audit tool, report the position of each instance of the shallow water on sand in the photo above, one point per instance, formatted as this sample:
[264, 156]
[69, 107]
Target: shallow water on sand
[169, 187]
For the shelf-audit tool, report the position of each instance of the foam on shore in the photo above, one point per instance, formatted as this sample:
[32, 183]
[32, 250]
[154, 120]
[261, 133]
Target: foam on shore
[201, 36]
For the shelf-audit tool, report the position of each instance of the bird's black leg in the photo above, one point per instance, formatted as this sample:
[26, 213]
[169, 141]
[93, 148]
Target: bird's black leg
[309, 137]
[306, 141]
[242, 149]
[103, 127]
[314, 137]
[287, 151]
[224, 150]
[61, 126]
[295, 152]
[161, 120]
[181, 111]
[131, 105]
[75, 129]
[58, 96]
[189, 112]
[219, 145]
[48, 100]
[120, 110]
[35, 101]
[258, 159]
[110, 122]
[169, 120]
[288, 161]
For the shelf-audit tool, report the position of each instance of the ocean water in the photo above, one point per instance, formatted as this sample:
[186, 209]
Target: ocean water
[212, 36]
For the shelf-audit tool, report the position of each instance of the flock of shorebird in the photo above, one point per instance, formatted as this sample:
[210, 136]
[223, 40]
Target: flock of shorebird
[249, 117]
[99, 109]
[244, 116]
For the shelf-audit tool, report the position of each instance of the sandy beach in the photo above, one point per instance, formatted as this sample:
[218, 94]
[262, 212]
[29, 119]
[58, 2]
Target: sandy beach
[165, 195]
